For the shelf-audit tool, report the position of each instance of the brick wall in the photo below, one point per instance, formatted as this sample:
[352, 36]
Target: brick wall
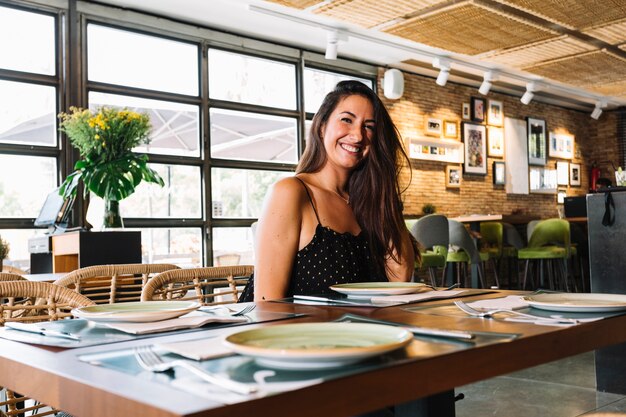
[595, 141]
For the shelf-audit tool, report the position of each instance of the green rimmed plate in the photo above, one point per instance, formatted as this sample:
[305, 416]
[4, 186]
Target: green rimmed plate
[375, 289]
[579, 303]
[317, 345]
[136, 311]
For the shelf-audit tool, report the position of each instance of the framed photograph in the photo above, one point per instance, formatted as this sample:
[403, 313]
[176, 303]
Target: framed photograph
[478, 109]
[561, 145]
[434, 126]
[498, 173]
[495, 114]
[453, 176]
[536, 130]
[562, 173]
[475, 139]
[450, 129]
[466, 111]
[560, 196]
[542, 180]
[495, 142]
[574, 174]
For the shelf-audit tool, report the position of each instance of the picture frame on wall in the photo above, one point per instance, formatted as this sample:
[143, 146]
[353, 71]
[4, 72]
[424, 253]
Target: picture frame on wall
[453, 176]
[499, 173]
[574, 175]
[434, 126]
[475, 139]
[561, 145]
[450, 129]
[562, 173]
[542, 180]
[465, 111]
[560, 196]
[536, 131]
[478, 109]
[495, 113]
[495, 141]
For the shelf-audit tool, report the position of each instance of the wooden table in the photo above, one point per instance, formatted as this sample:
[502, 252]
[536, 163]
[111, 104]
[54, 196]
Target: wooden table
[48, 277]
[55, 376]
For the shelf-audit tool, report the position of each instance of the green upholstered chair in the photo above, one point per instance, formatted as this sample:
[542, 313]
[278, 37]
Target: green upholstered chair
[431, 232]
[549, 248]
[512, 243]
[463, 253]
[492, 241]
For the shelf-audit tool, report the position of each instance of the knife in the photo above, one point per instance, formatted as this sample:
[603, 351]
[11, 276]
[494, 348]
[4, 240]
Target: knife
[24, 327]
[426, 331]
[328, 300]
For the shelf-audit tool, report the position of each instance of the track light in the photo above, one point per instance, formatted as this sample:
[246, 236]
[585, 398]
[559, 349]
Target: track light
[488, 78]
[444, 70]
[530, 93]
[597, 111]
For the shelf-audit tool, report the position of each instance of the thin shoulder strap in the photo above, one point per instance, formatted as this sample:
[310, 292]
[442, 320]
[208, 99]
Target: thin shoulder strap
[310, 199]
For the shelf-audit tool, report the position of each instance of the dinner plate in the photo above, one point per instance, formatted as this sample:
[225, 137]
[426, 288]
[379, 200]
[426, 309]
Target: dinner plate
[316, 345]
[581, 303]
[136, 312]
[375, 289]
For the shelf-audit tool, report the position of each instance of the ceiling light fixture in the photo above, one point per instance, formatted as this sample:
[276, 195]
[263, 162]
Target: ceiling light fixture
[597, 111]
[332, 45]
[444, 70]
[531, 87]
[488, 79]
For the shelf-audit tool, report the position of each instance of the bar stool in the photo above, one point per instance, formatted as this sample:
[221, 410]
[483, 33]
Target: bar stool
[549, 246]
[431, 232]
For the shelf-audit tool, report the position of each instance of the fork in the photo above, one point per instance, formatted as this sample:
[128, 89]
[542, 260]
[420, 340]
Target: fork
[233, 312]
[149, 360]
[491, 313]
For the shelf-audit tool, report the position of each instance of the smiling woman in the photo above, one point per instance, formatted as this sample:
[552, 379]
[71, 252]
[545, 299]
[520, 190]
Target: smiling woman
[327, 221]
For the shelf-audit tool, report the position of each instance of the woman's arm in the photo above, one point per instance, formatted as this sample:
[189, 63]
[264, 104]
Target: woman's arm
[404, 268]
[277, 239]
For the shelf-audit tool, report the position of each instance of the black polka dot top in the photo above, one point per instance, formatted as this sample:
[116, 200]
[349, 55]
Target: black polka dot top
[329, 258]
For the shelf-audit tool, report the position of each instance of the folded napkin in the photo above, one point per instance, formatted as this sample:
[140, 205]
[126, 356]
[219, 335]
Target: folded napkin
[189, 321]
[511, 302]
[199, 350]
[412, 298]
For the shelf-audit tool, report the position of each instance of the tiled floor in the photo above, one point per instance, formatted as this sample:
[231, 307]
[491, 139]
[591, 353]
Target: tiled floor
[564, 388]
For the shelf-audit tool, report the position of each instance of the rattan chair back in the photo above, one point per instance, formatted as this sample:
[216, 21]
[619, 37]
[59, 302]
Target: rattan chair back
[9, 276]
[209, 285]
[105, 284]
[12, 270]
[42, 302]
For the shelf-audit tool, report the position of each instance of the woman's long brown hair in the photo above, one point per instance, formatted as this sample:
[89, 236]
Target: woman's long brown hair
[373, 186]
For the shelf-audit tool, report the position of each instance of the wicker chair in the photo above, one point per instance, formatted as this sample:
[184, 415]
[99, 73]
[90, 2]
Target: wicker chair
[9, 276]
[208, 285]
[12, 270]
[105, 284]
[52, 303]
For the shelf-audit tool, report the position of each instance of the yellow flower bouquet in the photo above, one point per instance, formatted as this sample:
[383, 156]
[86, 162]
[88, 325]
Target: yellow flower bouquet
[105, 139]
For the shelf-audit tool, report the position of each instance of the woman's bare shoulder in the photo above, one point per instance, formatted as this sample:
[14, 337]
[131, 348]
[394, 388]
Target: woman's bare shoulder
[287, 189]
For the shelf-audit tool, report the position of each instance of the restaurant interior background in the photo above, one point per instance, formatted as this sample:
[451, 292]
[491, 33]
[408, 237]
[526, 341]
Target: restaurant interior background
[231, 87]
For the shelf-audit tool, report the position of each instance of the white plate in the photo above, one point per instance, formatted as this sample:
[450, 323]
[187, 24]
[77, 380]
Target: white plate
[136, 312]
[317, 345]
[375, 289]
[580, 303]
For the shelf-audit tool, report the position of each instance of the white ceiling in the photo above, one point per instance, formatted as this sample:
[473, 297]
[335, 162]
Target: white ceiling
[302, 28]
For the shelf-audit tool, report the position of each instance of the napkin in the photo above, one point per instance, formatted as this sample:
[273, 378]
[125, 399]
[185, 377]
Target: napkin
[511, 302]
[184, 322]
[199, 349]
[412, 298]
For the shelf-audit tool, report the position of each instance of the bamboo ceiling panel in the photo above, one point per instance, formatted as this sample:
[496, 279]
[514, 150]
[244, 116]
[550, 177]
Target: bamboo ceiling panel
[296, 4]
[470, 29]
[613, 33]
[617, 89]
[538, 52]
[370, 13]
[577, 14]
[591, 69]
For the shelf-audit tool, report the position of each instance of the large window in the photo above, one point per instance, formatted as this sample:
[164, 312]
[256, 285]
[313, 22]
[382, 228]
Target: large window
[227, 123]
